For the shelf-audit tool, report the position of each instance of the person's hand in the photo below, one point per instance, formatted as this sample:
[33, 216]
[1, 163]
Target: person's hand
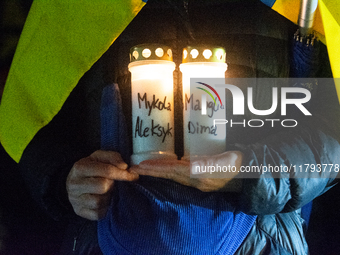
[90, 182]
[179, 171]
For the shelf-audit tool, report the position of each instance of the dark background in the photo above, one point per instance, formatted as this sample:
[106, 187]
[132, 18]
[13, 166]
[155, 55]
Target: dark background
[26, 229]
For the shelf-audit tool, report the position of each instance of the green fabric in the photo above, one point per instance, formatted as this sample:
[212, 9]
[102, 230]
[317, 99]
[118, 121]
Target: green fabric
[60, 41]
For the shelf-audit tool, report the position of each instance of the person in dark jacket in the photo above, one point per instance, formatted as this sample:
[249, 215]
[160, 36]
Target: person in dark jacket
[98, 186]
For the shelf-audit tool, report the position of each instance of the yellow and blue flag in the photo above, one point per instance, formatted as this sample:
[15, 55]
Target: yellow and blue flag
[60, 41]
[326, 25]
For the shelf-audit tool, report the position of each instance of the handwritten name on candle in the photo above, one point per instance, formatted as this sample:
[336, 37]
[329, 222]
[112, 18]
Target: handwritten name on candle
[154, 104]
[201, 129]
[154, 130]
[195, 105]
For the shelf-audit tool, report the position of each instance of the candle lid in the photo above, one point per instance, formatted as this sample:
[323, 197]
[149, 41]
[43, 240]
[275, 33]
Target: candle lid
[150, 52]
[203, 54]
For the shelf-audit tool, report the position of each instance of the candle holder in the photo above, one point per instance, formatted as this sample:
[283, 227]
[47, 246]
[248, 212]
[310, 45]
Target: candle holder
[151, 70]
[201, 104]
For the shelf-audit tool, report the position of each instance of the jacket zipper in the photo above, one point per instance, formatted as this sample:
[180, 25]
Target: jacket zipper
[75, 238]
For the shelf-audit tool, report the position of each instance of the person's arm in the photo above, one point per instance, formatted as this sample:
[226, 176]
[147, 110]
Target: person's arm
[44, 167]
[63, 181]
[300, 152]
[311, 151]
[73, 134]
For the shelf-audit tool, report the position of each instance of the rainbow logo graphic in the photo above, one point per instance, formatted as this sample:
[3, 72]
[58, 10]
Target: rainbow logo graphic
[207, 91]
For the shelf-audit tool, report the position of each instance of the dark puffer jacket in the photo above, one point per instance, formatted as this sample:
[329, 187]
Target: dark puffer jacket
[257, 41]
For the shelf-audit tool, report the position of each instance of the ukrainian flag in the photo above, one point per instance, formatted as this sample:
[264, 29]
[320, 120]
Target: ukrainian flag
[60, 41]
[326, 25]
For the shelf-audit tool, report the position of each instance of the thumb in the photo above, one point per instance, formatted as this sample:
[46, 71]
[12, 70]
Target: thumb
[109, 157]
[224, 165]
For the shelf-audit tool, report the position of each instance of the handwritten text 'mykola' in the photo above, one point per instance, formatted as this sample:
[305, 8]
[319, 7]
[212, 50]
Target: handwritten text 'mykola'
[154, 104]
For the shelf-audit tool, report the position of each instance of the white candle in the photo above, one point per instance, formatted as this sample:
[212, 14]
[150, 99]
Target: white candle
[201, 137]
[153, 131]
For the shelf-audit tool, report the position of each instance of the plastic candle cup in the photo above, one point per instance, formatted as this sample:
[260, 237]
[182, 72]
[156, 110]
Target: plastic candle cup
[201, 105]
[151, 70]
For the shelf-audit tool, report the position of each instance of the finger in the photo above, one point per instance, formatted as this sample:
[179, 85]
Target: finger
[94, 201]
[89, 168]
[91, 214]
[90, 201]
[229, 162]
[93, 185]
[169, 169]
[90, 206]
[228, 157]
[109, 157]
[162, 165]
[152, 172]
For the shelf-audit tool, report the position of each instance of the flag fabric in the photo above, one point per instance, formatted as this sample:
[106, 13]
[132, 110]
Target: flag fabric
[326, 25]
[330, 12]
[60, 41]
[291, 8]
